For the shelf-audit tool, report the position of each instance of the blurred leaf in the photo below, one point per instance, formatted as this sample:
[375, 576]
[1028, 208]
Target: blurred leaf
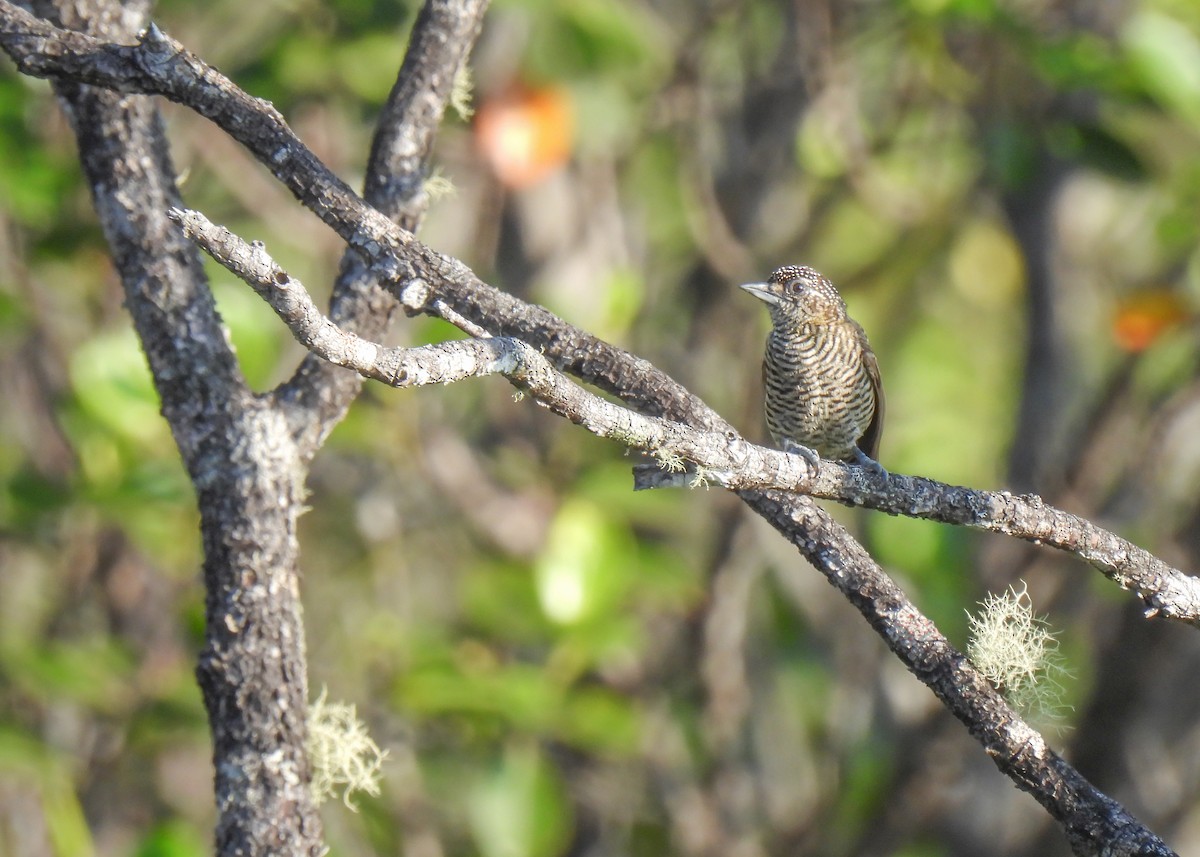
[14, 315]
[584, 38]
[1084, 61]
[821, 147]
[1166, 55]
[520, 809]
[367, 65]
[1167, 364]
[173, 839]
[254, 328]
[851, 237]
[867, 775]
[306, 63]
[925, 169]
[623, 295]
[519, 695]
[986, 265]
[607, 118]
[979, 11]
[502, 601]
[25, 755]
[65, 821]
[33, 496]
[611, 308]
[35, 177]
[653, 181]
[42, 772]
[935, 557]
[1011, 151]
[923, 849]
[597, 720]
[1096, 147]
[172, 711]
[945, 419]
[95, 673]
[112, 384]
[613, 638]
[609, 484]
[129, 468]
[586, 567]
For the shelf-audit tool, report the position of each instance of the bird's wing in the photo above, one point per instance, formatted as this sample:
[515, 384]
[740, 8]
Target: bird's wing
[869, 442]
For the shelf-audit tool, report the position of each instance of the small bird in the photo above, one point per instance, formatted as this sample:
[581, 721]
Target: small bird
[823, 392]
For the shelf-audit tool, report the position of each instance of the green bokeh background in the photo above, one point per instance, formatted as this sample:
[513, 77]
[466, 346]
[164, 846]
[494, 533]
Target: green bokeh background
[555, 664]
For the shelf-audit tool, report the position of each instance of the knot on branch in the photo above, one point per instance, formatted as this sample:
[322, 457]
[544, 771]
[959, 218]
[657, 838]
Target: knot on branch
[156, 48]
[414, 295]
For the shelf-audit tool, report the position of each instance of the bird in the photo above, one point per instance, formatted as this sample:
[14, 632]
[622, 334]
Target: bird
[823, 392]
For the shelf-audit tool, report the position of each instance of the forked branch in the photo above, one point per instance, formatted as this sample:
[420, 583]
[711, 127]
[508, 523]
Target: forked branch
[1093, 823]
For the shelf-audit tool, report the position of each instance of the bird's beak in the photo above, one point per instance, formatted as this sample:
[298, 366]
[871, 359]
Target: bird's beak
[762, 292]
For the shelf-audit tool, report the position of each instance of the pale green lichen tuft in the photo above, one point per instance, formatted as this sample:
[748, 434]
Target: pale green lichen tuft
[672, 462]
[439, 186]
[1019, 654]
[342, 753]
[462, 93]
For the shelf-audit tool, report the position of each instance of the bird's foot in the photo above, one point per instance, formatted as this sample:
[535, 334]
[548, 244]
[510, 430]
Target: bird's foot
[810, 456]
[864, 460]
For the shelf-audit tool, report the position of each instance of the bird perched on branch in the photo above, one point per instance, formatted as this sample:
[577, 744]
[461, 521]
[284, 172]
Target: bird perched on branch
[823, 392]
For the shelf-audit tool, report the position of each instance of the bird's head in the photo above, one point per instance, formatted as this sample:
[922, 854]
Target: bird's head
[796, 294]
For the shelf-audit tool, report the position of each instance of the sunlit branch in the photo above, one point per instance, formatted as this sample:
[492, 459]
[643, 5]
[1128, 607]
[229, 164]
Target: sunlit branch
[1092, 820]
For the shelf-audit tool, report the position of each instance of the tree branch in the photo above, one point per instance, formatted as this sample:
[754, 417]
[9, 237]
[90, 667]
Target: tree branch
[1167, 592]
[316, 398]
[720, 458]
[160, 65]
[1093, 822]
[727, 460]
[251, 669]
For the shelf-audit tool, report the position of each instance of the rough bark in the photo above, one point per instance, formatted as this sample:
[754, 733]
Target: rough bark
[241, 460]
[238, 448]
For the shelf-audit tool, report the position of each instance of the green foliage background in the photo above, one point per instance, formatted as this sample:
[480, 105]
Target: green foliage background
[557, 665]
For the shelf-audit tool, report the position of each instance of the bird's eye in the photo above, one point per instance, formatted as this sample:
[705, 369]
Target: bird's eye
[794, 287]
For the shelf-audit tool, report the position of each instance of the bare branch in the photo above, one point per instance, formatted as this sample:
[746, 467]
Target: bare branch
[317, 397]
[252, 669]
[1094, 823]
[442, 37]
[160, 65]
[526, 367]
[722, 458]
[1166, 591]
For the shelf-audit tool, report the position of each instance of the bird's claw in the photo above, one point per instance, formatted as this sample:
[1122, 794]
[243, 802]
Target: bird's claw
[866, 461]
[810, 456]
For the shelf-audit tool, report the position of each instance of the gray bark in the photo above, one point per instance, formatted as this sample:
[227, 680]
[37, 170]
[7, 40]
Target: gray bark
[241, 451]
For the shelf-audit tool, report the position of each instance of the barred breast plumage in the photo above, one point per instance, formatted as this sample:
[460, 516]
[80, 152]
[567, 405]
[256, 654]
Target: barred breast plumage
[821, 378]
